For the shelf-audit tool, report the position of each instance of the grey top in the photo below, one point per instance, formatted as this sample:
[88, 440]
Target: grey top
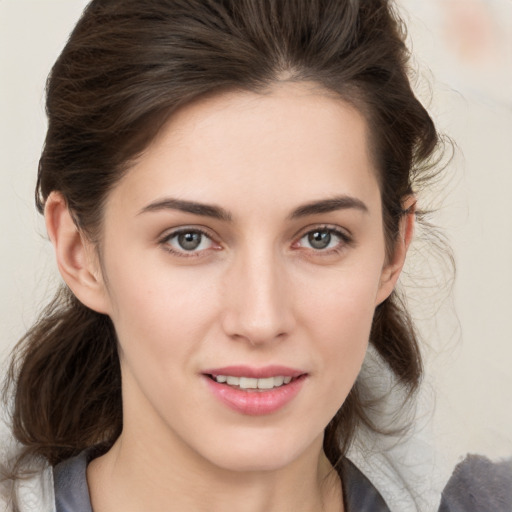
[72, 492]
[477, 485]
[70, 482]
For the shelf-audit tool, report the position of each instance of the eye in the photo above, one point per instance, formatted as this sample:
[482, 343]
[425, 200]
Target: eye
[324, 239]
[184, 241]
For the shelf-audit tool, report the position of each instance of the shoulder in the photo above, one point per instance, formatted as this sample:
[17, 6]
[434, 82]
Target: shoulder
[30, 493]
[71, 489]
[27, 488]
[358, 492]
[479, 484]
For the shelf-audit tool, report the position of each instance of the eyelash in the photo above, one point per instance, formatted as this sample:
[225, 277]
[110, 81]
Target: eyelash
[164, 242]
[344, 241]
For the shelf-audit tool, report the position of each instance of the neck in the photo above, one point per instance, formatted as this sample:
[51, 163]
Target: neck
[137, 474]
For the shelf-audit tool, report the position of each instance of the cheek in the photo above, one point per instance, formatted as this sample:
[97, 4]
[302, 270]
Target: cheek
[338, 315]
[156, 309]
[342, 300]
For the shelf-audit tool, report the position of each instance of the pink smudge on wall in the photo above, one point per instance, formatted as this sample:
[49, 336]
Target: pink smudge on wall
[472, 32]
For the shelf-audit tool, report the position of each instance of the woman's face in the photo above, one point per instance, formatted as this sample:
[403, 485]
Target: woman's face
[245, 245]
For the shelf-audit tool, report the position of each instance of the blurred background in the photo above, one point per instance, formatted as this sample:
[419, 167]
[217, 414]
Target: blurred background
[462, 71]
[462, 52]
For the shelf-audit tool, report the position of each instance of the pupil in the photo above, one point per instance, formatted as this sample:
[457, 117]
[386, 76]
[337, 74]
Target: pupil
[189, 241]
[319, 239]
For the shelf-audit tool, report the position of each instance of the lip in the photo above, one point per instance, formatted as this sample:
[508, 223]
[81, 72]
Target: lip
[255, 373]
[252, 402]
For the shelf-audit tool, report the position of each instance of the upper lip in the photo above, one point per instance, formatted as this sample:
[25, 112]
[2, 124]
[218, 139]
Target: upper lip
[255, 373]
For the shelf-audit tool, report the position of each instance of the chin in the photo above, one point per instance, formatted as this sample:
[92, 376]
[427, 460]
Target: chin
[263, 453]
[253, 463]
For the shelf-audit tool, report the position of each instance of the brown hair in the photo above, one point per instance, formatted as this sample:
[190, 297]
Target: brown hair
[128, 65]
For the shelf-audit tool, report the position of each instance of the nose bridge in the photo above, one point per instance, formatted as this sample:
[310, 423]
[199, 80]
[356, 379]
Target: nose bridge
[258, 304]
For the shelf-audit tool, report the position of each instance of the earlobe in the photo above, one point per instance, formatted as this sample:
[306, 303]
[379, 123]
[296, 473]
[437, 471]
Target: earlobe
[393, 268]
[76, 258]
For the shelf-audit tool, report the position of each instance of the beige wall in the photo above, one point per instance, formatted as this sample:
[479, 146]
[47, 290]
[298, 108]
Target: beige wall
[467, 44]
[465, 49]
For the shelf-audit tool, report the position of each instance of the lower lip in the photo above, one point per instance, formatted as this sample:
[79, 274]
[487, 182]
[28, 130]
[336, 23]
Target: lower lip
[253, 402]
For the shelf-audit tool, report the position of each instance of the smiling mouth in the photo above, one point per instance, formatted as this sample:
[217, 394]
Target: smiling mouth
[255, 391]
[253, 384]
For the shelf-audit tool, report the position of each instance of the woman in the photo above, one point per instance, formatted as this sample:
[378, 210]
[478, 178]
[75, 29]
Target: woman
[230, 190]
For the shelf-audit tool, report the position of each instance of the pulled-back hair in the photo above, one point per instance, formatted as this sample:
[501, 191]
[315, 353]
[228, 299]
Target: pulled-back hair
[128, 65]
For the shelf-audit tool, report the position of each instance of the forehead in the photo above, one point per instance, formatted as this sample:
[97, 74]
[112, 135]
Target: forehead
[291, 144]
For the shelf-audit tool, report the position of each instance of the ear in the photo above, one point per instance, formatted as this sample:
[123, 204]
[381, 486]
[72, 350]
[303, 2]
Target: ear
[391, 271]
[76, 256]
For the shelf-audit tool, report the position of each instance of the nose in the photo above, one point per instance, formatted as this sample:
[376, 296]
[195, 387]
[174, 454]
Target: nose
[257, 298]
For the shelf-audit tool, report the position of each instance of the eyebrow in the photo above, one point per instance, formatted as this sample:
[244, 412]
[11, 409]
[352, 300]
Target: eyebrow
[204, 210]
[216, 212]
[329, 205]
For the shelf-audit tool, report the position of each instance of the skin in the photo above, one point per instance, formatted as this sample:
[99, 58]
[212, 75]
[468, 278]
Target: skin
[255, 292]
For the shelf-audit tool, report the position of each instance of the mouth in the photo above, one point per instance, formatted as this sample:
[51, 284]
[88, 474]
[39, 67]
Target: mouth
[252, 383]
[255, 391]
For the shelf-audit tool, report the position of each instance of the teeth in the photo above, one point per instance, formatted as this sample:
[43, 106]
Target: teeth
[252, 383]
[266, 383]
[248, 383]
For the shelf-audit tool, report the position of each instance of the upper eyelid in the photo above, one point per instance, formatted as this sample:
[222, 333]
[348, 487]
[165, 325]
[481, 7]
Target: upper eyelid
[171, 232]
[344, 232]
